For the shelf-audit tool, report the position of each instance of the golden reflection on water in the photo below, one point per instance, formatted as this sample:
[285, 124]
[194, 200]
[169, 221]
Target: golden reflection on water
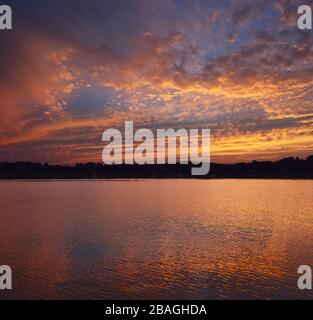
[217, 239]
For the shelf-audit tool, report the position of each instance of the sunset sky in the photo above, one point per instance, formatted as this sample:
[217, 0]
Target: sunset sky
[71, 69]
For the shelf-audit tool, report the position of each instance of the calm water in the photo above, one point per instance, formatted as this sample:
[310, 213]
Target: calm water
[164, 239]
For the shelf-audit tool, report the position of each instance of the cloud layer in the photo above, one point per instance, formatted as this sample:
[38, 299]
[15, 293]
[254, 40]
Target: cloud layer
[71, 69]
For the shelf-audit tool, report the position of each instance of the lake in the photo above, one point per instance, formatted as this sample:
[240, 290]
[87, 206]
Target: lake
[156, 239]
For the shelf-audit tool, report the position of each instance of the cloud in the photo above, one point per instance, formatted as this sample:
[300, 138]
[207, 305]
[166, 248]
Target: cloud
[173, 64]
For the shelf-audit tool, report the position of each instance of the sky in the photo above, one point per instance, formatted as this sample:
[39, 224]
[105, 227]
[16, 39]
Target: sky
[71, 69]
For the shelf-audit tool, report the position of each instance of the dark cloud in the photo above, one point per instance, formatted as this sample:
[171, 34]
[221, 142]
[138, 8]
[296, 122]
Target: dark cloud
[241, 14]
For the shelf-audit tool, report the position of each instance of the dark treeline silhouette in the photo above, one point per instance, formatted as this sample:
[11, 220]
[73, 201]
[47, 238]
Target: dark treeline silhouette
[289, 168]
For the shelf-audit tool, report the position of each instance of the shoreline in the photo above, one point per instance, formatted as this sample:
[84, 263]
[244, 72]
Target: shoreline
[147, 179]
